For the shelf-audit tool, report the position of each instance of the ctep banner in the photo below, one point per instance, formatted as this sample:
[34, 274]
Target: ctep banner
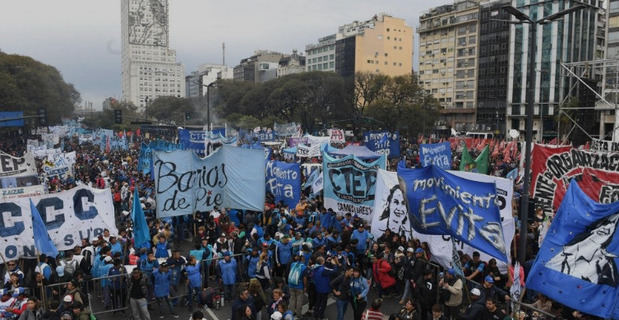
[231, 177]
[15, 166]
[441, 203]
[553, 168]
[349, 184]
[438, 154]
[69, 216]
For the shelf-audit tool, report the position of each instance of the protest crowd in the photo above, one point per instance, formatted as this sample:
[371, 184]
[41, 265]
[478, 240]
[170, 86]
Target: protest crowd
[286, 260]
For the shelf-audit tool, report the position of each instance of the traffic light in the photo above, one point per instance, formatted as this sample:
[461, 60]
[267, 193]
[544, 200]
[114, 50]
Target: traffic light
[42, 113]
[187, 116]
[118, 116]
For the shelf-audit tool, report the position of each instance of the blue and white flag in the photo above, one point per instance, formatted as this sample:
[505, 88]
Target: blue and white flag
[438, 154]
[383, 142]
[349, 184]
[283, 180]
[441, 203]
[577, 263]
[42, 240]
[231, 177]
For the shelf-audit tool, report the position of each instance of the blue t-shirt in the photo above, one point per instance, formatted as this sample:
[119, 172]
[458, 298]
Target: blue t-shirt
[362, 237]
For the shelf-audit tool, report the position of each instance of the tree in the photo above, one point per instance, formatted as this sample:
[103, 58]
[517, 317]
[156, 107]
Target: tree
[27, 85]
[105, 118]
[174, 109]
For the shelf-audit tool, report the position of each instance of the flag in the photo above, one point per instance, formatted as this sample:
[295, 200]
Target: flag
[479, 165]
[108, 146]
[577, 262]
[42, 241]
[516, 289]
[141, 235]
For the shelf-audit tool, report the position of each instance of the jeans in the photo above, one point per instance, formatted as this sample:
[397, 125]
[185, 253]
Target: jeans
[341, 308]
[320, 305]
[407, 290]
[296, 300]
[229, 291]
[139, 309]
[358, 306]
[191, 291]
[167, 301]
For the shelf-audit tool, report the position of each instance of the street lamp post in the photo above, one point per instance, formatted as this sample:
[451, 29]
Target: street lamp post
[524, 204]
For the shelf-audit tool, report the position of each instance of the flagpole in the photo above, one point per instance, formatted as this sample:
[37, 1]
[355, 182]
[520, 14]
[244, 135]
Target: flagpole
[43, 299]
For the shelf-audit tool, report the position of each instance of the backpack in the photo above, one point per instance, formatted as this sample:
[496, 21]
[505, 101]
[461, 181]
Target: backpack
[85, 264]
[70, 267]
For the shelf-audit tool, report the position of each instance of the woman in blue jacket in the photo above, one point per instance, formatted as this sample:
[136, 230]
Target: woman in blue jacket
[227, 271]
[359, 289]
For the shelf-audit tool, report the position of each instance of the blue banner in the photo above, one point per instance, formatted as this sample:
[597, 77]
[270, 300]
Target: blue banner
[192, 140]
[438, 154]
[384, 142]
[577, 263]
[230, 177]
[16, 116]
[283, 180]
[441, 203]
[262, 135]
[349, 184]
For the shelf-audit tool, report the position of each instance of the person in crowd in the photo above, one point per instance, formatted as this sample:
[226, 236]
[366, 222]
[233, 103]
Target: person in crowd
[79, 312]
[341, 291]
[176, 264]
[475, 310]
[197, 315]
[161, 283]
[373, 313]
[437, 313]
[138, 292]
[283, 256]
[263, 271]
[297, 281]
[227, 271]
[33, 310]
[194, 280]
[492, 312]
[426, 292]
[321, 276]
[409, 311]
[453, 287]
[474, 269]
[278, 297]
[257, 297]
[240, 304]
[380, 271]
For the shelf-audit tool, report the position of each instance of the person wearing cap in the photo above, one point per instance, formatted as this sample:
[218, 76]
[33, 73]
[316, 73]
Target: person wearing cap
[74, 292]
[6, 300]
[138, 292]
[162, 247]
[475, 309]
[18, 306]
[453, 285]
[362, 236]
[104, 270]
[283, 256]
[474, 269]
[207, 257]
[227, 272]
[117, 275]
[176, 264]
[297, 282]
[490, 291]
[420, 264]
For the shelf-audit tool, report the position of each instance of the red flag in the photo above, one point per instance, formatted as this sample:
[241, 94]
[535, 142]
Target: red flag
[137, 132]
[108, 147]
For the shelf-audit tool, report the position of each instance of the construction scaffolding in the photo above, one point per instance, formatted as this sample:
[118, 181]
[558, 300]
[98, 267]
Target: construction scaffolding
[601, 78]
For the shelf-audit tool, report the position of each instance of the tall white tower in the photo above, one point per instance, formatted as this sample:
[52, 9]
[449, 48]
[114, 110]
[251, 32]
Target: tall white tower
[149, 67]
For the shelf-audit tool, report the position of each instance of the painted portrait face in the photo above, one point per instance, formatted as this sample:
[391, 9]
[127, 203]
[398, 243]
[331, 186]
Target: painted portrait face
[397, 207]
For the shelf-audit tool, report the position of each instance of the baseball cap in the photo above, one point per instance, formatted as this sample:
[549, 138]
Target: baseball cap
[475, 292]
[400, 248]
[411, 250]
[489, 279]
[226, 253]
[60, 271]
[452, 271]
[67, 299]
[418, 250]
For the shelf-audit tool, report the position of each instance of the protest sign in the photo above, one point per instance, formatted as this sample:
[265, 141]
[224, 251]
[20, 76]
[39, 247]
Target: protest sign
[304, 151]
[441, 203]
[21, 192]
[231, 177]
[60, 165]
[17, 166]
[441, 246]
[283, 180]
[349, 184]
[438, 154]
[604, 145]
[390, 210]
[337, 136]
[384, 142]
[69, 216]
[192, 140]
[577, 262]
[552, 168]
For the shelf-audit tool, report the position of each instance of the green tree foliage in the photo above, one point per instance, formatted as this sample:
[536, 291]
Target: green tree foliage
[173, 109]
[105, 118]
[27, 85]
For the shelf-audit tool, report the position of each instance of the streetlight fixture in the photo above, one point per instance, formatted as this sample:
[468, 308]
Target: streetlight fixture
[524, 204]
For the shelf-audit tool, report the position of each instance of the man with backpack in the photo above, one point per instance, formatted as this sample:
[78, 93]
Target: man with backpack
[380, 271]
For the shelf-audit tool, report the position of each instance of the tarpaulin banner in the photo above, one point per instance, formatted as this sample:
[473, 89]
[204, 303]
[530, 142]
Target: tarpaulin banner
[337, 136]
[441, 246]
[283, 180]
[69, 216]
[192, 140]
[17, 166]
[145, 164]
[21, 192]
[293, 142]
[290, 129]
[604, 145]
[390, 210]
[304, 151]
[552, 169]
[59, 165]
[577, 262]
[349, 184]
[384, 142]
[438, 154]
[441, 203]
[231, 177]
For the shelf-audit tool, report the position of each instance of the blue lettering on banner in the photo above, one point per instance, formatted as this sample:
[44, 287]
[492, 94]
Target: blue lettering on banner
[283, 180]
[349, 184]
[383, 142]
[441, 203]
[69, 216]
[231, 177]
[438, 154]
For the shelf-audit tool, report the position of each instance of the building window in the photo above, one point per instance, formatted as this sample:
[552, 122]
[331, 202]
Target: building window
[386, 54]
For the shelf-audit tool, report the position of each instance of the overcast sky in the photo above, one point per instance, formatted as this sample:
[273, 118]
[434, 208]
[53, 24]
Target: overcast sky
[81, 38]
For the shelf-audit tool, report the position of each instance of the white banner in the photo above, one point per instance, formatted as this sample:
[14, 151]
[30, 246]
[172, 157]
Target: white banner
[69, 216]
[604, 145]
[389, 206]
[304, 151]
[17, 167]
[44, 152]
[21, 192]
[317, 140]
[337, 136]
[441, 247]
[59, 165]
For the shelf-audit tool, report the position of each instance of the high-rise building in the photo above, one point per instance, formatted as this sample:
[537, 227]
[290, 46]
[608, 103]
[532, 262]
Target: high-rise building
[149, 67]
[572, 38]
[383, 44]
[260, 67]
[493, 62]
[291, 64]
[321, 55]
[609, 115]
[197, 82]
[448, 45]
